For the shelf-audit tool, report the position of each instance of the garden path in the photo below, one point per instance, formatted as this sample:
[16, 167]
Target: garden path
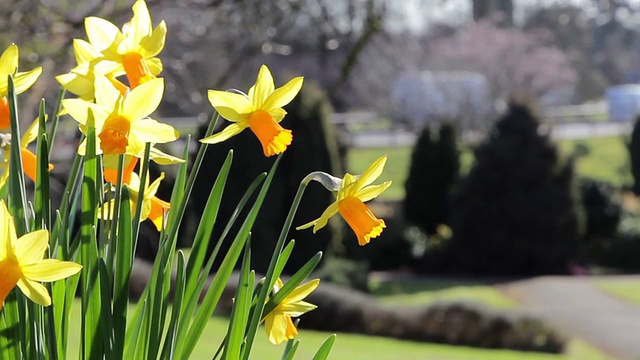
[577, 308]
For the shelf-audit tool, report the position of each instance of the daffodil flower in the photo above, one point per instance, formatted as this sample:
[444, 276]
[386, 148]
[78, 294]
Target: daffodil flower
[261, 111]
[80, 80]
[21, 81]
[153, 208]
[352, 193]
[278, 322]
[22, 262]
[132, 50]
[29, 159]
[122, 122]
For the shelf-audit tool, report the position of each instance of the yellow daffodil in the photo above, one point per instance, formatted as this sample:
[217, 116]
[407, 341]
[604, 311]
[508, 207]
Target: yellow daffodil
[260, 110]
[153, 208]
[80, 80]
[278, 322]
[29, 160]
[22, 262]
[21, 81]
[352, 193]
[132, 50]
[122, 122]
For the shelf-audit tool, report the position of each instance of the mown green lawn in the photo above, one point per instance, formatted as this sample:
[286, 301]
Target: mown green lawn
[625, 289]
[351, 346]
[605, 159]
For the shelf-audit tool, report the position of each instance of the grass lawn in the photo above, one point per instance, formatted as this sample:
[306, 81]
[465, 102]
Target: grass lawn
[626, 289]
[419, 293]
[350, 346]
[606, 159]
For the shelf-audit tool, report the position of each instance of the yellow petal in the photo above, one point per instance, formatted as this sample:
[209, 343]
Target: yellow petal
[152, 189]
[24, 80]
[162, 158]
[149, 130]
[30, 247]
[371, 173]
[106, 94]
[154, 65]
[263, 87]
[152, 45]
[277, 326]
[8, 62]
[80, 85]
[84, 52]
[144, 99]
[229, 131]
[231, 106]
[283, 95]
[371, 192]
[321, 222]
[50, 270]
[34, 291]
[277, 114]
[297, 309]
[5, 231]
[140, 25]
[302, 291]
[105, 212]
[100, 32]
[31, 134]
[78, 109]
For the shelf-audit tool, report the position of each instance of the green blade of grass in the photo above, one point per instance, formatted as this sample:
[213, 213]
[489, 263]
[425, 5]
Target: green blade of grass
[168, 350]
[241, 305]
[270, 278]
[122, 275]
[42, 195]
[222, 276]
[325, 348]
[290, 350]
[91, 301]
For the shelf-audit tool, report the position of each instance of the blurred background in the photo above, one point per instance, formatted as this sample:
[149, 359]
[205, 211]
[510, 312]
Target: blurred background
[513, 142]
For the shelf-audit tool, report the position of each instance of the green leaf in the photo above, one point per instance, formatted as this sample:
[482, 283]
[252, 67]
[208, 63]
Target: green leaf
[55, 118]
[123, 266]
[17, 192]
[290, 350]
[240, 310]
[325, 348]
[168, 350]
[222, 276]
[43, 194]
[91, 301]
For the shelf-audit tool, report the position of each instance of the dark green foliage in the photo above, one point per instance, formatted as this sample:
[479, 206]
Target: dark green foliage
[603, 210]
[634, 155]
[314, 148]
[435, 165]
[517, 212]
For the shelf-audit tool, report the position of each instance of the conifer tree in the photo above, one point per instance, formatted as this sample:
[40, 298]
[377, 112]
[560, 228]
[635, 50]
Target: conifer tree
[517, 212]
[634, 155]
[434, 169]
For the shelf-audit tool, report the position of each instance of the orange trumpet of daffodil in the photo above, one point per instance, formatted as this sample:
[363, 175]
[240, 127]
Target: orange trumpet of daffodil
[260, 110]
[278, 321]
[29, 159]
[352, 193]
[22, 262]
[21, 81]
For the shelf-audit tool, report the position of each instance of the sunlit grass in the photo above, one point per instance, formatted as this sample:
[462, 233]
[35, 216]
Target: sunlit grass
[625, 289]
[352, 346]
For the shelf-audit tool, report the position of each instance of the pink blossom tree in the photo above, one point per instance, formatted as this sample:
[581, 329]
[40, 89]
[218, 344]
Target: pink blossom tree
[512, 60]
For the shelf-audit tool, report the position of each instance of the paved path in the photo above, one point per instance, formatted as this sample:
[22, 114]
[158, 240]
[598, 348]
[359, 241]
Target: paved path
[575, 307]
